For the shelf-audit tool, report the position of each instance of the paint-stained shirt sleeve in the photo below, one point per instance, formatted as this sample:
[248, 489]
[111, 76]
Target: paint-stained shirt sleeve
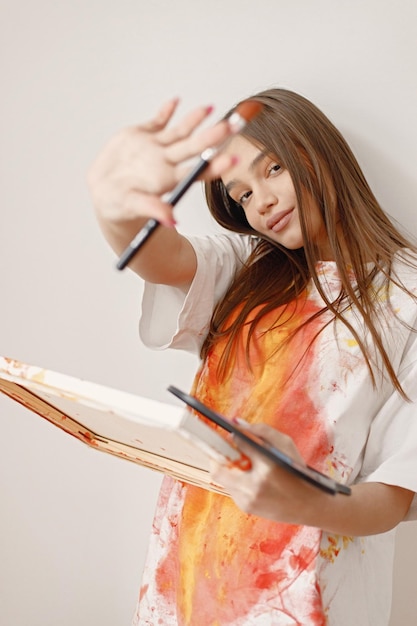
[172, 318]
[391, 449]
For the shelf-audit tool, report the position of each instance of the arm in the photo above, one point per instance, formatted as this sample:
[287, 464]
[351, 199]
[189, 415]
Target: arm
[130, 175]
[271, 492]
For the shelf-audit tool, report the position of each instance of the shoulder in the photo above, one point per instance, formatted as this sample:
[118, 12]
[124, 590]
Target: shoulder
[400, 276]
[404, 269]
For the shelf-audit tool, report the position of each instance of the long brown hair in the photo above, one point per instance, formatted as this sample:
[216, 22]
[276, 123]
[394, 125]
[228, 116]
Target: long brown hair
[323, 170]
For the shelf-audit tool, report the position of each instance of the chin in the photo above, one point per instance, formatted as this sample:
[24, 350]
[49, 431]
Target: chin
[294, 244]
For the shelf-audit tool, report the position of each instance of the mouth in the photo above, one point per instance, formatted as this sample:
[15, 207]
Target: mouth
[278, 222]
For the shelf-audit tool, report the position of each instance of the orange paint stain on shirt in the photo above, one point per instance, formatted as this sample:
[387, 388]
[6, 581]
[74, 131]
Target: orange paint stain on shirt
[335, 544]
[221, 564]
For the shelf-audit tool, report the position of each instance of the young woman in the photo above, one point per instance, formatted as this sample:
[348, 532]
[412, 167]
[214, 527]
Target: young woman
[304, 318]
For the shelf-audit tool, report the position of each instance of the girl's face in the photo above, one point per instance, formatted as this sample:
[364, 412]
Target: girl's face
[266, 194]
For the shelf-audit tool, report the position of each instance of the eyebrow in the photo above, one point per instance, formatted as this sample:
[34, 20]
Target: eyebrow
[259, 157]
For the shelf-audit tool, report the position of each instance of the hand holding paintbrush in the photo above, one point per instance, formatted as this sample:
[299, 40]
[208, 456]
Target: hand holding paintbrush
[237, 120]
[133, 171]
[129, 178]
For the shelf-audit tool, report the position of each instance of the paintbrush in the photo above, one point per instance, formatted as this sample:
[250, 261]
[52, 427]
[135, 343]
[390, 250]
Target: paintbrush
[241, 115]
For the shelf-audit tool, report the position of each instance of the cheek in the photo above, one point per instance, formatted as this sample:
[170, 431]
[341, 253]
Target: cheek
[252, 218]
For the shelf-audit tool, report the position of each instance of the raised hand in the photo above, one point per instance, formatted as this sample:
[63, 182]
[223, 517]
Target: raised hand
[141, 163]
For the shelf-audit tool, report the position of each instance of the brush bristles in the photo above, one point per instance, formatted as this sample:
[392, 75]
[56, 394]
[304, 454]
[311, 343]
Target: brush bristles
[248, 109]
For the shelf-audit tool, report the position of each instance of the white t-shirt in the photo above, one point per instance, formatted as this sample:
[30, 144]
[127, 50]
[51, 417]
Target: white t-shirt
[373, 434]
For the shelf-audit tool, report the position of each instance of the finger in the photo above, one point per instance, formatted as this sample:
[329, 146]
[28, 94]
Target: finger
[185, 127]
[217, 472]
[219, 166]
[215, 169]
[196, 144]
[283, 442]
[138, 204]
[162, 117]
[227, 477]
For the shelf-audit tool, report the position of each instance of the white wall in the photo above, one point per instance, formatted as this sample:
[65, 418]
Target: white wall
[74, 523]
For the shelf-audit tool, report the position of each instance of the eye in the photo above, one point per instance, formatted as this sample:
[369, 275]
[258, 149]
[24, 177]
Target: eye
[274, 168]
[244, 197]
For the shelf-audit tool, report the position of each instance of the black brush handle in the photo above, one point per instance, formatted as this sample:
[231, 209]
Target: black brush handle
[152, 224]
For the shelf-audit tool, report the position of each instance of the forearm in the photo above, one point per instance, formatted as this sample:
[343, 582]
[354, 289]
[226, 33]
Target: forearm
[372, 508]
[272, 492]
[166, 257]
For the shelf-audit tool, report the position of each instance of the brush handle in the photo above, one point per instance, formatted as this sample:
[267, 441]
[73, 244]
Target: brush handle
[191, 177]
[136, 243]
[152, 224]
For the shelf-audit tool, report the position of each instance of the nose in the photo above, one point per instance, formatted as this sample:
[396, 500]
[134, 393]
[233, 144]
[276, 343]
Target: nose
[266, 199]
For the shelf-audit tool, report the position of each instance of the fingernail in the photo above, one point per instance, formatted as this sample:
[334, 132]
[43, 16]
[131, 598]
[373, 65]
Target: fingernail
[239, 421]
[209, 109]
[169, 222]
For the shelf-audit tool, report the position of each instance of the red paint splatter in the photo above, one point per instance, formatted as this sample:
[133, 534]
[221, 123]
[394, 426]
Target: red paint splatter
[87, 437]
[221, 561]
[143, 591]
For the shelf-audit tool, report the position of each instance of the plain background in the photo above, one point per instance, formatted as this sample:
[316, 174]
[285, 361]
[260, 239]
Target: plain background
[74, 523]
